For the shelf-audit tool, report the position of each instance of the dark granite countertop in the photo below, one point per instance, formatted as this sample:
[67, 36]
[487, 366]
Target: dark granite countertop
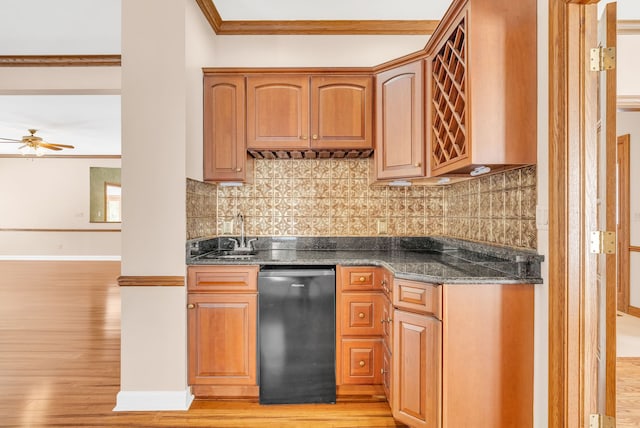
[430, 259]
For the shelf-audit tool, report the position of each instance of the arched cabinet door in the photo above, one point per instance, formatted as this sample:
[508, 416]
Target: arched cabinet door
[399, 122]
[224, 149]
[278, 112]
[341, 112]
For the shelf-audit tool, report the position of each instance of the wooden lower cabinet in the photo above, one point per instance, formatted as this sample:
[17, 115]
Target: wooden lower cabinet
[417, 369]
[222, 331]
[362, 361]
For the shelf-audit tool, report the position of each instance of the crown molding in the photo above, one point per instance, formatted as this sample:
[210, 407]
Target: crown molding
[312, 27]
[628, 27]
[60, 60]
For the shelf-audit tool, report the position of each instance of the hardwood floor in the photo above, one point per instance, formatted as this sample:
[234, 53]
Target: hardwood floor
[628, 392]
[60, 360]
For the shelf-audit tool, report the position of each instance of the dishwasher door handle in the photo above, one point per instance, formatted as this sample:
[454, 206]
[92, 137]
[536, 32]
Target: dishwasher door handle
[297, 285]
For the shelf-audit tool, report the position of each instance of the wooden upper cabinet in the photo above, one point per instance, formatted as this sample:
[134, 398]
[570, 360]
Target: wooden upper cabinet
[224, 149]
[341, 112]
[482, 82]
[399, 122]
[278, 112]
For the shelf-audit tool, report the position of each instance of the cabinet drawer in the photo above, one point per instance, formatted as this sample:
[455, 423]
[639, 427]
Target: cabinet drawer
[236, 279]
[417, 296]
[361, 278]
[362, 314]
[362, 361]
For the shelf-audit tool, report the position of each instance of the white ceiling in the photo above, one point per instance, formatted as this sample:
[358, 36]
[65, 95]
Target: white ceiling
[92, 122]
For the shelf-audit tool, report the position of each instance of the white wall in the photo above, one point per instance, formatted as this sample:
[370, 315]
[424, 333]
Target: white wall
[629, 123]
[628, 65]
[25, 210]
[161, 111]
[312, 51]
[49, 193]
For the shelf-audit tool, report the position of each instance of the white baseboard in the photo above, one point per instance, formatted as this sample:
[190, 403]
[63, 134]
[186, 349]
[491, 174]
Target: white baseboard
[131, 401]
[61, 258]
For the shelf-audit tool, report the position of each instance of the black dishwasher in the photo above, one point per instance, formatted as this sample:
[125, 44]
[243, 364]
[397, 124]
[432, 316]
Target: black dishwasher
[296, 328]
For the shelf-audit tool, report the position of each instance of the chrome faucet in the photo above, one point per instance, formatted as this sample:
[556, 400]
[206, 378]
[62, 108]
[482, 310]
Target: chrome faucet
[243, 244]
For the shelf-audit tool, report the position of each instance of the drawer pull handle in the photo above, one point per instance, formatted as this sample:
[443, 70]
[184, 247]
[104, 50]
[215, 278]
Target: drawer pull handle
[361, 315]
[191, 306]
[362, 278]
[362, 363]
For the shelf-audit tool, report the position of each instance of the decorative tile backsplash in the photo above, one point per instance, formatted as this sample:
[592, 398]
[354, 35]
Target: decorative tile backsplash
[332, 197]
[202, 206]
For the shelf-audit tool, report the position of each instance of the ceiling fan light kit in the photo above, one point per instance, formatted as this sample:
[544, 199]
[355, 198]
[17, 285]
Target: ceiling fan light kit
[34, 145]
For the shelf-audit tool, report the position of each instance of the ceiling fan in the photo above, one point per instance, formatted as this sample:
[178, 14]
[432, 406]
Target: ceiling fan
[35, 144]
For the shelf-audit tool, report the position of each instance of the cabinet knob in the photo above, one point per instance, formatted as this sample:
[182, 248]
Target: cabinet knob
[382, 371]
[361, 315]
[418, 164]
[303, 137]
[389, 319]
[191, 306]
[362, 278]
[315, 136]
[238, 169]
[383, 321]
[362, 363]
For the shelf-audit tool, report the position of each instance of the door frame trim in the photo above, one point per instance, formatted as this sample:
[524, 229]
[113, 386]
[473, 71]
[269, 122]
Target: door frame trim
[572, 162]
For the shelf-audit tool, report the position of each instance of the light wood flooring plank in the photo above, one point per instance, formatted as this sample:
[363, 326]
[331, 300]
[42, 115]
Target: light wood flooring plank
[628, 392]
[60, 360]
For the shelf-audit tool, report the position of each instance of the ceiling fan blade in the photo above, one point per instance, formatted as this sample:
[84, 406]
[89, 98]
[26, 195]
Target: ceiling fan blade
[49, 146]
[64, 146]
[11, 140]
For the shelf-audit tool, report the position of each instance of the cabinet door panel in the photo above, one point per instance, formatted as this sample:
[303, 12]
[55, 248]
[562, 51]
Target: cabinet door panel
[232, 278]
[222, 339]
[277, 112]
[399, 122]
[341, 112]
[417, 369]
[224, 149]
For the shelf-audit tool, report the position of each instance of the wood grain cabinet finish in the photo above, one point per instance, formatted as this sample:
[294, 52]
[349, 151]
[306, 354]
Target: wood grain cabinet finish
[341, 112]
[278, 112]
[224, 143]
[415, 296]
[296, 112]
[400, 145]
[223, 279]
[417, 369]
[222, 339]
[361, 278]
[360, 303]
[361, 361]
[363, 314]
[222, 331]
[481, 64]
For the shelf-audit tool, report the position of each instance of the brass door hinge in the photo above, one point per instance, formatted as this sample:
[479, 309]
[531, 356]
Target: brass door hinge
[601, 421]
[602, 59]
[603, 242]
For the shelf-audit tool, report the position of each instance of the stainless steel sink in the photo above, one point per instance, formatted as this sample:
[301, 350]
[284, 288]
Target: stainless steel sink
[228, 255]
